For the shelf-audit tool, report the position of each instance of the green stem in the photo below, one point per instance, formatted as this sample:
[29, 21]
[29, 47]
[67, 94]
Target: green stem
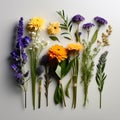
[25, 98]
[100, 104]
[33, 75]
[85, 94]
[63, 97]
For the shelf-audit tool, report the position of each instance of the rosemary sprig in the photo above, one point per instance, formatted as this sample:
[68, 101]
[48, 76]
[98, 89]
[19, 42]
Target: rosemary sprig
[100, 74]
[66, 25]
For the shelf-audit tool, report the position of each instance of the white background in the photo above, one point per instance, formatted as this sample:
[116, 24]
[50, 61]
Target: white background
[11, 97]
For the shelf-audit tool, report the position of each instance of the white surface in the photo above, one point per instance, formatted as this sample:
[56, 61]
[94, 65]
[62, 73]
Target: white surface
[10, 95]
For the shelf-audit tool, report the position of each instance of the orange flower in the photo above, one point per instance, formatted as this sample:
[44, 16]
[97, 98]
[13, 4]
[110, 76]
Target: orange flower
[75, 47]
[58, 52]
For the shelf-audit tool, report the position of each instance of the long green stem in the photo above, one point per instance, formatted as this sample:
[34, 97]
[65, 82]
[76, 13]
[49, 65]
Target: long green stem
[100, 105]
[63, 97]
[85, 94]
[33, 75]
[25, 98]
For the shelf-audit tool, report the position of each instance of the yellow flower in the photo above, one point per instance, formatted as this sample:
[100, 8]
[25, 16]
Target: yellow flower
[58, 52]
[54, 28]
[75, 47]
[35, 24]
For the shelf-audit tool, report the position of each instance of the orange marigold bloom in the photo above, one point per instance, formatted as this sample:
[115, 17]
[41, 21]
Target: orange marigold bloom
[75, 47]
[58, 52]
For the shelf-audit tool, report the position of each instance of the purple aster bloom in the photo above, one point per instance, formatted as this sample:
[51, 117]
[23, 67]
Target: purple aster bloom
[26, 41]
[78, 18]
[100, 21]
[87, 26]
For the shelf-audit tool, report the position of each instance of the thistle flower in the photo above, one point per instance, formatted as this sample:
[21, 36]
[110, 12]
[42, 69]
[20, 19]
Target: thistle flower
[19, 57]
[87, 26]
[78, 18]
[100, 21]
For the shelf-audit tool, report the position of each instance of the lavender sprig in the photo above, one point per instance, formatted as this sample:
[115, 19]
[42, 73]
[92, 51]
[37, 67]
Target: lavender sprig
[19, 58]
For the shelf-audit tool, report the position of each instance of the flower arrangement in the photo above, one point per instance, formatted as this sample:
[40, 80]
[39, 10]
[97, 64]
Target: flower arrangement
[76, 59]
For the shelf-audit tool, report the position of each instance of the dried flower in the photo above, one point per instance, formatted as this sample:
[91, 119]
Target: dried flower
[87, 26]
[19, 58]
[100, 21]
[54, 28]
[77, 18]
[58, 52]
[75, 47]
[36, 24]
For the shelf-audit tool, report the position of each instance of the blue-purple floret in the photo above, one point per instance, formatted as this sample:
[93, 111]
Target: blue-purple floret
[100, 21]
[87, 26]
[78, 18]
[18, 55]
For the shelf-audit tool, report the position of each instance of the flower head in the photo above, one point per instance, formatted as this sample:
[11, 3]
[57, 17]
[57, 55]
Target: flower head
[100, 20]
[35, 24]
[58, 52]
[75, 47]
[87, 26]
[77, 18]
[54, 28]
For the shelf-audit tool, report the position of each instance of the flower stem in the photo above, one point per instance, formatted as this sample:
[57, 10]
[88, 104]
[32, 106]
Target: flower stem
[25, 99]
[39, 94]
[63, 97]
[100, 104]
[85, 94]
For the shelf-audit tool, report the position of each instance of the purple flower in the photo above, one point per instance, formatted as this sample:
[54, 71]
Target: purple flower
[26, 41]
[77, 18]
[18, 55]
[100, 21]
[15, 55]
[87, 26]
[15, 67]
[40, 70]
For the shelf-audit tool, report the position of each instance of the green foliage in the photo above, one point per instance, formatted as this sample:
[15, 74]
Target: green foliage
[66, 25]
[100, 74]
[54, 38]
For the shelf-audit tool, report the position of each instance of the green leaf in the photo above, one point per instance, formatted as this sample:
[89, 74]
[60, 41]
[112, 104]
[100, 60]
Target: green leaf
[67, 38]
[58, 71]
[64, 33]
[54, 38]
[94, 38]
[58, 95]
[70, 28]
[67, 88]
